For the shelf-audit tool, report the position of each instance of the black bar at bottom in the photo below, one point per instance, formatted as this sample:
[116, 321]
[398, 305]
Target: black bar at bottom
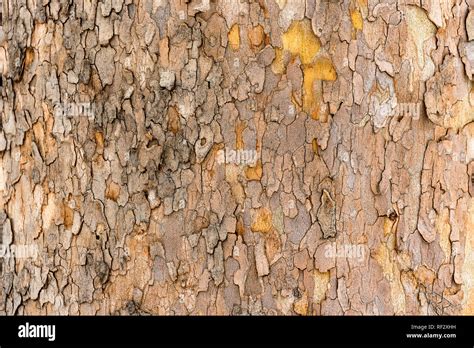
[242, 331]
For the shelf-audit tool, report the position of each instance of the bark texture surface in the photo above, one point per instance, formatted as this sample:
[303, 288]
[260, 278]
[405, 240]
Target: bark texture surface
[237, 157]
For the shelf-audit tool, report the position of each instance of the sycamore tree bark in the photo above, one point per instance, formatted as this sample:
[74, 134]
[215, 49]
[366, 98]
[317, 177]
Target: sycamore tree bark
[237, 157]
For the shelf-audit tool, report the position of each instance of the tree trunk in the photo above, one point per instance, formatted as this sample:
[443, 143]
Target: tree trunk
[237, 157]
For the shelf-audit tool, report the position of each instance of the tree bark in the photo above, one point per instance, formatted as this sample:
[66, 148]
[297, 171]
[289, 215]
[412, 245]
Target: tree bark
[237, 157]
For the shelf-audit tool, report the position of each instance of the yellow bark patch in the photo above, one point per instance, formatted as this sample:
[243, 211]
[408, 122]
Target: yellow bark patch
[262, 221]
[310, 102]
[300, 41]
[324, 70]
[387, 226]
[278, 65]
[357, 21]
[312, 90]
[234, 37]
[314, 145]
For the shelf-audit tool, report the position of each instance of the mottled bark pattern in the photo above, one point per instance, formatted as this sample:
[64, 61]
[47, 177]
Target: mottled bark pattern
[229, 145]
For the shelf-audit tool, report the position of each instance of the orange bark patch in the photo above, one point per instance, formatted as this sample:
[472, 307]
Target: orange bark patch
[173, 120]
[254, 173]
[113, 191]
[68, 216]
[234, 37]
[256, 36]
[239, 139]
